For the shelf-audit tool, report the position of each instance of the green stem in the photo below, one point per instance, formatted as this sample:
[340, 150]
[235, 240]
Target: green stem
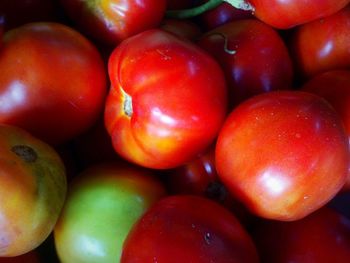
[211, 4]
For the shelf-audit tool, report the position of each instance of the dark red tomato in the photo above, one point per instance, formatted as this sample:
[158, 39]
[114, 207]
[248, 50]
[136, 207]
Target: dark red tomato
[111, 21]
[334, 86]
[188, 229]
[321, 237]
[18, 12]
[52, 81]
[199, 177]
[223, 14]
[289, 13]
[322, 45]
[167, 102]
[284, 154]
[253, 56]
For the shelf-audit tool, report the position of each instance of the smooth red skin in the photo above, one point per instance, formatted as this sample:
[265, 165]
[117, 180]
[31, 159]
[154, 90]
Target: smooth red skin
[112, 21]
[183, 28]
[261, 62]
[322, 45]
[334, 86]
[179, 100]
[322, 237]
[60, 75]
[284, 154]
[188, 229]
[223, 14]
[290, 13]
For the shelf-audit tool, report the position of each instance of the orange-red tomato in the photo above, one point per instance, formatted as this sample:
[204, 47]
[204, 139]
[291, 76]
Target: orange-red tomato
[33, 189]
[167, 102]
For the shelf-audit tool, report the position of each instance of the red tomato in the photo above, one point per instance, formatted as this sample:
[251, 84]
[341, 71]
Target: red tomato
[284, 154]
[167, 101]
[112, 21]
[289, 13]
[188, 229]
[322, 45]
[53, 81]
[33, 189]
[253, 56]
[321, 237]
[199, 177]
[334, 86]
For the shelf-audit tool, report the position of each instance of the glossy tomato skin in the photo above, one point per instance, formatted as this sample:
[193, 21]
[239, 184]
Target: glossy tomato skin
[284, 154]
[112, 21]
[322, 237]
[253, 56]
[103, 203]
[33, 189]
[177, 94]
[334, 86]
[290, 13]
[53, 81]
[185, 228]
[322, 45]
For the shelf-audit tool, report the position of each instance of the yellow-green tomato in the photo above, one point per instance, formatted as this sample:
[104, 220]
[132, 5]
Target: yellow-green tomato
[32, 191]
[102, 205]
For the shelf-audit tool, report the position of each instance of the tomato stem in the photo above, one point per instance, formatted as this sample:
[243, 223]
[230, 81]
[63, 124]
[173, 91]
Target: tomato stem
[211, 4]
[127, 107]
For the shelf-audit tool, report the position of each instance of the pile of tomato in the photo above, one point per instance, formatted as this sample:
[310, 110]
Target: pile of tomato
[175, 131]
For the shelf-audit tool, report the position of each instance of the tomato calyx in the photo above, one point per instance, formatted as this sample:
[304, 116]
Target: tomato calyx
[127, 105]
[209, 5]
[25, 152]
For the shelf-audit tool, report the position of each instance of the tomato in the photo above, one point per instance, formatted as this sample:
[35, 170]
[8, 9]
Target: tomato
[103, 203]
[290, 13]
[253, 56]
[334, 87]
[199, 177]
[322, 237]
[322, 45]
[33, 189]
[167, 100]
[112, 21]
[284, 154]
[185, 228]
[53, 81]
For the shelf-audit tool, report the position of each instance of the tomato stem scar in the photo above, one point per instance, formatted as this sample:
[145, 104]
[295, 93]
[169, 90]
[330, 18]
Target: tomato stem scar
[127, 106]
[25, 152]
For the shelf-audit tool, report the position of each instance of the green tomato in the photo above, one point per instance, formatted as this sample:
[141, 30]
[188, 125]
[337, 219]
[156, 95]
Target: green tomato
[102, 205]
